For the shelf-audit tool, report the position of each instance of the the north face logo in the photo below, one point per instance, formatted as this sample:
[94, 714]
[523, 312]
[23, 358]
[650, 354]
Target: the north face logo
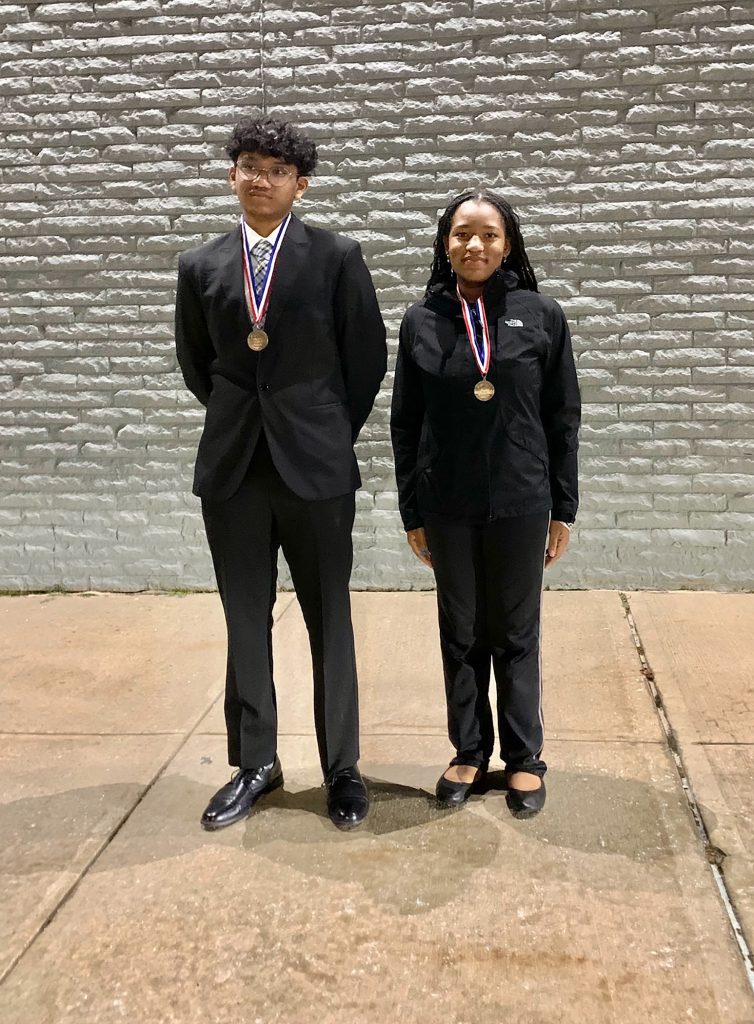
[514, 323]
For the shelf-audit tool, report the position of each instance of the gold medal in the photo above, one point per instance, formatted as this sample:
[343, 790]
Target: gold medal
[484, 390]
[257, 340]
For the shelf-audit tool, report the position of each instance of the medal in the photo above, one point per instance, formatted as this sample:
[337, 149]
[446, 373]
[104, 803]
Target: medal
[483, 389]
[258, 293]
[257, 340]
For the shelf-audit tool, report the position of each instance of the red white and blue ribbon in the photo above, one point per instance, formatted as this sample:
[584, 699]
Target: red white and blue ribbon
[481, 354]
[258, 295]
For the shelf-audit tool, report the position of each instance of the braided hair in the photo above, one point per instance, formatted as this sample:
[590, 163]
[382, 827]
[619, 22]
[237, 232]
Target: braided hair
[517, 260]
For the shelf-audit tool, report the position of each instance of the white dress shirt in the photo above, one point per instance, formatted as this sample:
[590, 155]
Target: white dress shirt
[253, 237]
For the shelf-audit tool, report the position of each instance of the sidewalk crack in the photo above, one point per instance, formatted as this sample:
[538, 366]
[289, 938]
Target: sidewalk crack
[106, 842]
[713, 854]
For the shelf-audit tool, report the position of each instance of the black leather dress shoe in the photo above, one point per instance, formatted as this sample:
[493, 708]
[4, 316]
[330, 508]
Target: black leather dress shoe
[347, 797]
[453, 794]
[236, 798]
[523, 803]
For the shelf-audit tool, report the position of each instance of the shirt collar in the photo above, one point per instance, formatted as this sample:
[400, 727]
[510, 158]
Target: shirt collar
[254, 237]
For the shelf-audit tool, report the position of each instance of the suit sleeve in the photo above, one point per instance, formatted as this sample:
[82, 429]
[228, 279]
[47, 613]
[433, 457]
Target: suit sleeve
[193, 344]
[406, 419]
[561, 416]
[361, 337]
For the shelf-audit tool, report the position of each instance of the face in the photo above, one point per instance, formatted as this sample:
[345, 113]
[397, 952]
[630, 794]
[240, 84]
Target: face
[476, 245]
[269, 198]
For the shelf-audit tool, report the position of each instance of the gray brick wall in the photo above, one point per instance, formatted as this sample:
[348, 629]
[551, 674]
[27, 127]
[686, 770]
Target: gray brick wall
[622, 135]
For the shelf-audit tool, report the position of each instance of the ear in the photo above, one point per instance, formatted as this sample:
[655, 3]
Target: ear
[302, 184]
[232, 177]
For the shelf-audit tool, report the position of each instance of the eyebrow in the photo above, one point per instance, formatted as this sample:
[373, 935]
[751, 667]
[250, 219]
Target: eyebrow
[278, 160]
[487, 227]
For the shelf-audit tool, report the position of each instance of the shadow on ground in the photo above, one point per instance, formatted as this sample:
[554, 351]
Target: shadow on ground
[588, 812]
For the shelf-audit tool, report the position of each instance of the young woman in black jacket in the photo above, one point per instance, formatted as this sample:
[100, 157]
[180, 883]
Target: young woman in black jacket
[484, 424]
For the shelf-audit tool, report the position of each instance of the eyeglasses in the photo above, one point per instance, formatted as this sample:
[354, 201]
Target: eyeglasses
[275, 175]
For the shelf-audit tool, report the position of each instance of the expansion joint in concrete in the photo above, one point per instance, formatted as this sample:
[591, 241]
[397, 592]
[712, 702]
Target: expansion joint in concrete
[714, 855]
[70, 891]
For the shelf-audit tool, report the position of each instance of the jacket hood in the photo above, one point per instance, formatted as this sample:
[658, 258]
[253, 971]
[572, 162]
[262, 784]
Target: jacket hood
[443, 300]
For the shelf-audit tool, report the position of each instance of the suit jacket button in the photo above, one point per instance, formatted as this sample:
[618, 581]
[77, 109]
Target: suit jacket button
[265, 387]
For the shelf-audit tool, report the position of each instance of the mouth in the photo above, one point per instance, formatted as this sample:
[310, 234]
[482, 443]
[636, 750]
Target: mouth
[474, 259]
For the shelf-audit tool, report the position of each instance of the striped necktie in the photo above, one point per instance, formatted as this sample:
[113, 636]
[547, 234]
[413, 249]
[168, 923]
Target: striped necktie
[260, 253]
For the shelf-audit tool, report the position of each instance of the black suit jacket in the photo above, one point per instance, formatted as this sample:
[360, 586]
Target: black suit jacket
[314, 385]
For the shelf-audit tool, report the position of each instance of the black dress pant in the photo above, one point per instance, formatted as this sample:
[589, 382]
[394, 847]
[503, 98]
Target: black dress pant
[489, 592]
[245, 533]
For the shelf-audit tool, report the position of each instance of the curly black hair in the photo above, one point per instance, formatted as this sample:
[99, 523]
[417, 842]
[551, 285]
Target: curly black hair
[270, 137]
[517, 260]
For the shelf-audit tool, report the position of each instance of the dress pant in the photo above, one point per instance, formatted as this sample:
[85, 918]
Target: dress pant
[489, 592]
[245, 533]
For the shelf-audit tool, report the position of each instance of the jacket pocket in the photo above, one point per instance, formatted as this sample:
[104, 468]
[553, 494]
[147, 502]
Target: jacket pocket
[532, 445]
[427, 451]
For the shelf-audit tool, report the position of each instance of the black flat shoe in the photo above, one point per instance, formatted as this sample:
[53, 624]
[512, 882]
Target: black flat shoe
[523, 803]
[453, 794]
[347, 798]
[236, 798]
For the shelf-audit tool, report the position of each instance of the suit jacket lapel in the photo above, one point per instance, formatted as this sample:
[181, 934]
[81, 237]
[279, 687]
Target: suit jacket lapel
[230, 274]
[291, 264]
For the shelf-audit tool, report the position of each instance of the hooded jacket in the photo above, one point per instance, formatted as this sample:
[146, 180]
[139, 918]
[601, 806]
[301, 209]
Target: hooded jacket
[475, 461]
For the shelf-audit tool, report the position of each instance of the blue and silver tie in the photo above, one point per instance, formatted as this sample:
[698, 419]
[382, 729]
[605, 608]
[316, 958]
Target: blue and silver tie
[260, 253]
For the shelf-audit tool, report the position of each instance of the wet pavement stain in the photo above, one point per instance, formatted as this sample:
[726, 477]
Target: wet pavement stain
[409, 857]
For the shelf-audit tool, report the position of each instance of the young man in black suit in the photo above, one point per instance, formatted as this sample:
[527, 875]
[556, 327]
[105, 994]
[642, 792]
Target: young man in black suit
[279, 335]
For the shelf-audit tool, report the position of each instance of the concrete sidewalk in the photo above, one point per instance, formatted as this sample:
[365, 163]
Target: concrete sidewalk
[605, 908]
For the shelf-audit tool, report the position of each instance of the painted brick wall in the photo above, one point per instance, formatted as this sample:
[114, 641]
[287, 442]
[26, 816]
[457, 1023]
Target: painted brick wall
[622, 134]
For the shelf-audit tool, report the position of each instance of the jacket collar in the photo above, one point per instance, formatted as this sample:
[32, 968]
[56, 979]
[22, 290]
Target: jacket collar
[442, 298]
[291, 263]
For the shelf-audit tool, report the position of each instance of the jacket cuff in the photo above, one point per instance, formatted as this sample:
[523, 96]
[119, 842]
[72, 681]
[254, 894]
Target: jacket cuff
[412, 522]
[563, 514]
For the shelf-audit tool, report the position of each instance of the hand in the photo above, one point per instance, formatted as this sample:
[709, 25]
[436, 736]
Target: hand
[557, 542]
[417, 541]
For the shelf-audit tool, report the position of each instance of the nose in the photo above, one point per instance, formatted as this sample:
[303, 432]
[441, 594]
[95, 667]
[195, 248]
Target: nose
[474, 244]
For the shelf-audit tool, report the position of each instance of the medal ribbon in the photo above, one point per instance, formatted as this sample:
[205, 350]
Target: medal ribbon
[482, 356]
[258, 299]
